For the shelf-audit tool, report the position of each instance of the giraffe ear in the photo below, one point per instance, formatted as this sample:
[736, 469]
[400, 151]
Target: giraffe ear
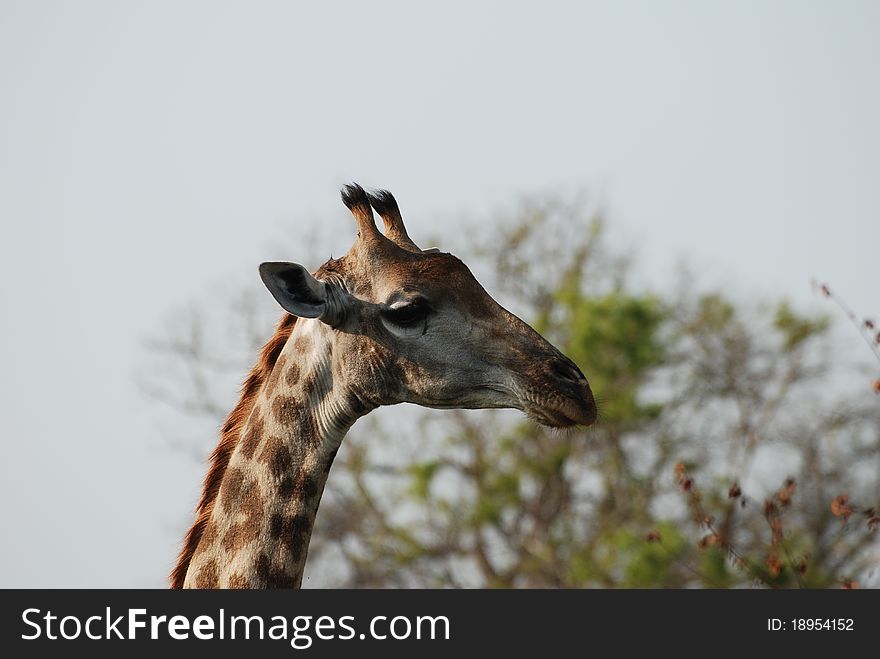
[295, 289]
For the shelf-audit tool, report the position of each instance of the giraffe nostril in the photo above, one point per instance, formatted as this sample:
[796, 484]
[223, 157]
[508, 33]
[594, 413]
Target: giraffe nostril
[567, 370]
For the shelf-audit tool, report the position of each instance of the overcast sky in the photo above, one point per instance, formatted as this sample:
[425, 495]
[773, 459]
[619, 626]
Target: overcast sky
[150, 151]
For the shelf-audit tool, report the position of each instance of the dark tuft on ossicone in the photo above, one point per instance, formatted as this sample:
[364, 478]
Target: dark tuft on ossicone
[384, 202]
[353, 196]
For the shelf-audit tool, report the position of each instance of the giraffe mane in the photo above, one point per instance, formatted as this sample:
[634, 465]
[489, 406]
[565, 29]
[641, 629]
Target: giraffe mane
[229, 437]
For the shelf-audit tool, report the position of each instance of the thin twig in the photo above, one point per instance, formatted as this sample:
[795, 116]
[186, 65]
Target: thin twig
[873, 345]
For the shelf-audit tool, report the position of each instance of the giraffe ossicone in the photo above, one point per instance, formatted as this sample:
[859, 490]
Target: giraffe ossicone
[386, 323]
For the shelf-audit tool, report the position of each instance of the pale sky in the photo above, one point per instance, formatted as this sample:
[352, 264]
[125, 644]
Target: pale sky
[150, 151]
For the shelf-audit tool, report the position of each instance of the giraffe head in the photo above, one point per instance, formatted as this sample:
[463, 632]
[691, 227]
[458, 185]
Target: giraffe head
[407, 325]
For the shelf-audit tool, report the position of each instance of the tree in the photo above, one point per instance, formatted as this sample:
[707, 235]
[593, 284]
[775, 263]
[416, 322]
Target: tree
[723, 455]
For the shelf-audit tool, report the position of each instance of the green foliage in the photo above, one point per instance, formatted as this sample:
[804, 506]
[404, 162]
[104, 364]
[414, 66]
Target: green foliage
[422, 474]
[714, 314]
[796, 329]
[498, 492]
[648, 564]
[715, 568]
[616, 339]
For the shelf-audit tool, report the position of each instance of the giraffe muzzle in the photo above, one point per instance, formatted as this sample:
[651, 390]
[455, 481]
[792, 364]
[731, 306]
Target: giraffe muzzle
[567, 399]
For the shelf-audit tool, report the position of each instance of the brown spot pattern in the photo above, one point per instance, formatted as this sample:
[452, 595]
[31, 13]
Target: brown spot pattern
[230, 491]
[252, 502]
[286, 410]
[306, 487]
[238, 536]
[277, 369]
[238, 581]
[276, 456]
[263, 567]
[230, 437]
[292, 376]
[293, 532]
[271, 576]
[209, 536]
[276, 523]
[286, 487]
[302, 343]
[330, 460]
[252, 435]
[207, 576]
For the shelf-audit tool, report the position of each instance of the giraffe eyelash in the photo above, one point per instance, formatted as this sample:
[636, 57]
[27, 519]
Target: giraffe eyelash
[409, 313]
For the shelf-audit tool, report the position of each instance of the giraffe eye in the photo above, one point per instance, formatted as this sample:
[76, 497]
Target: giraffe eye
[408, 314]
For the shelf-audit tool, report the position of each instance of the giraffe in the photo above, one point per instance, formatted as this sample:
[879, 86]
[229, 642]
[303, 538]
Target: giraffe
[384, 324]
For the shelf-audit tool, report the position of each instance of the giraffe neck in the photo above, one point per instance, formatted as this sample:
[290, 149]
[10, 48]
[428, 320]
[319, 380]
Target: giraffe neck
[259, 531]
